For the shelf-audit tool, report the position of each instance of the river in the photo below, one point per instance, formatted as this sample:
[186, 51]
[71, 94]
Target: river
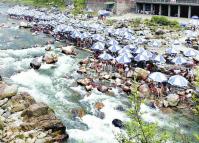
[56, 86]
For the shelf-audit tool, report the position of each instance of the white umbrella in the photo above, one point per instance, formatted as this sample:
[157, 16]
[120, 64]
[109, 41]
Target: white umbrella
[129, 55]
[141, 57]
[122, 59]
[112, 42]
[114, 48]
[105, 56]
[131, 47]
[190, 53]
[171, 51]
[179, 60]
[138, 50]
[98, 46]
[98, 37]
[158, 59]
[124, 51]
[178, 80]
[147, 53]
[158, 77]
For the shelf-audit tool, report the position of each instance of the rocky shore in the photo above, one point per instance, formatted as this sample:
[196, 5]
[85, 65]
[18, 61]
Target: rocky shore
[23, 120]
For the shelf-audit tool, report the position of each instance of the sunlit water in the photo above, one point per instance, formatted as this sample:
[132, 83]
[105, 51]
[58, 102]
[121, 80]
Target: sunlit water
[56, 86]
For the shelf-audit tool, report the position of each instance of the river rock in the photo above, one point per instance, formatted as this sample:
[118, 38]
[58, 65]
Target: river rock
[159, 32]
[100, 114]
[35, 110]
[126, 88]
[140, 73]
[24, 25]
[144, 90]
[78, 112]
[118, 123]
[50, 58]
[69, 50]
[4, 101]
[84, 61]
[102, 88]
[88, 87]
[84, 82]
[7, 91]
[172, 99]
[99, 105]
[35, 64]
[82, 70]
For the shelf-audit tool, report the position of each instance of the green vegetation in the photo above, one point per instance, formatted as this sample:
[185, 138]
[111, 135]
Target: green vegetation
[196, 97]
[40, 3]
[164, 21]
[137, 130]
[79, 6]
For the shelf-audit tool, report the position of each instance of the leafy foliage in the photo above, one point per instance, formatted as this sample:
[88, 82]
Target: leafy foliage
[79, 6]
[137, 130]
[164, 21]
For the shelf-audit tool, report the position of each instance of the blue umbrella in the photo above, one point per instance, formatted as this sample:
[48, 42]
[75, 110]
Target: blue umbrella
[105, 56]
[179, 60]
[98, 46]
[122, 59]
[114, 48]
[158, 77]
[138, 50]
[141, 57]
[158, 59]
[178, 81]
[139, 41]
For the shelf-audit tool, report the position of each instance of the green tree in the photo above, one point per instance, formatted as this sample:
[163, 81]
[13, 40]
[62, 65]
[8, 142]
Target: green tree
[137, 130]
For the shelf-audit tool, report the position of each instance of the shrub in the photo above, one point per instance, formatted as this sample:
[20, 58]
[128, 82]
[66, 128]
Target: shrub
[164, 21]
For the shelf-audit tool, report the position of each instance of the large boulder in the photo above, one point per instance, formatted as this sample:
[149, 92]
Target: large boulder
[7, 91]
[171, 100]
[39, 116]
[140, 73]
[21, 102]
[69, 50]
[35, 110]
[35, 64]
[50, 58]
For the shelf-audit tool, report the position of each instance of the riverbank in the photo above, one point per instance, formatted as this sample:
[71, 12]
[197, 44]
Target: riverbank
[22, 119]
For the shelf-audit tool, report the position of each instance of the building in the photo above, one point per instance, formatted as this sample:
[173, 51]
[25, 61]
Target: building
[176, 8]
[116, 6]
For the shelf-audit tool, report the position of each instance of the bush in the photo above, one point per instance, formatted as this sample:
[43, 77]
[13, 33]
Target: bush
[164, 21]
[79, 6]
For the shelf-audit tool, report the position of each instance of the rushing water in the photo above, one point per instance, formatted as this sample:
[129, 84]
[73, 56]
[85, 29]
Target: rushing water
[55, 85]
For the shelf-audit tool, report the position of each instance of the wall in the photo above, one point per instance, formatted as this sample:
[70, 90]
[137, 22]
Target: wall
[125, 6]
[96, 4]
